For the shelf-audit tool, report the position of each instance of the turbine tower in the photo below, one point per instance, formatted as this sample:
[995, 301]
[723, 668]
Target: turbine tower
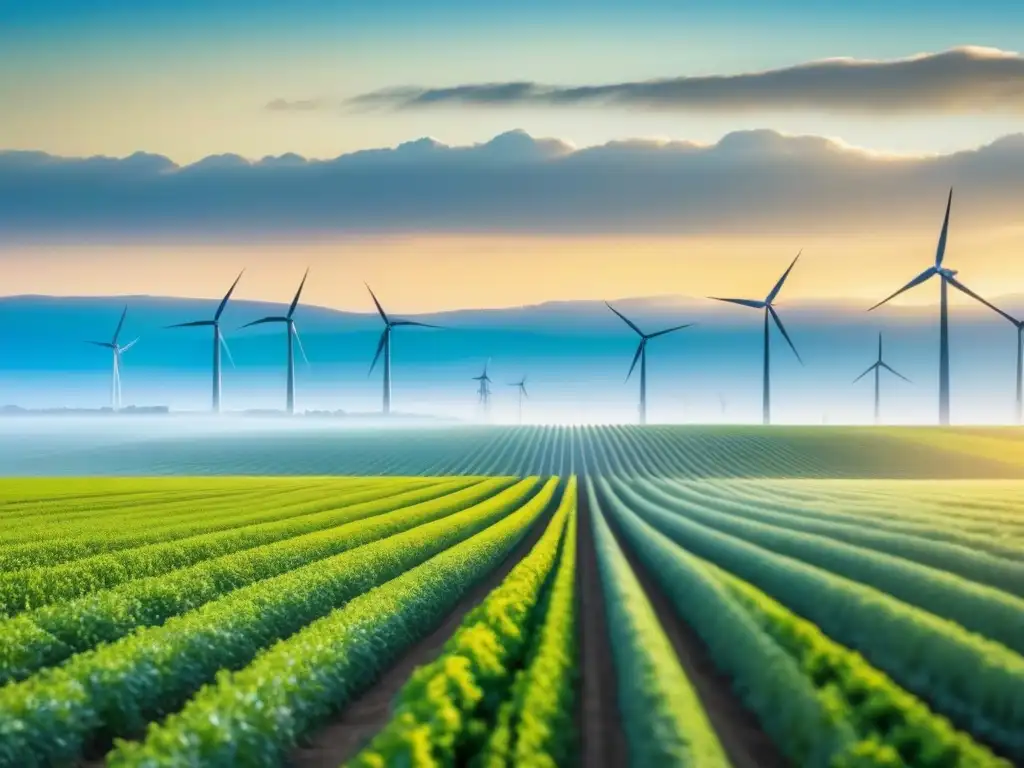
[484, 390]
[116, 351]
[521, 384]
[384, 346]
[947, 277]
[877, 367]
[292, 331]
[768, 306]
[1019, 325]
[218, 340]
[641, 355]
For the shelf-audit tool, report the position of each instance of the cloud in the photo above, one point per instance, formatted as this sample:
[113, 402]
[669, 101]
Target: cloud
[758, 182]
[968, 80]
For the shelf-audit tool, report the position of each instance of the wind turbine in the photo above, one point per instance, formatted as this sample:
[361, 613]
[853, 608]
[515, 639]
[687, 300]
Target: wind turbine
[1020, 363]
[484, 390]
[116, 350]
[947, 277]
[769, 311]
[641, 355]
[1019, 325]
[521, 384]
[384, 345]
[877, 367]
[218, 340]
[289, 321]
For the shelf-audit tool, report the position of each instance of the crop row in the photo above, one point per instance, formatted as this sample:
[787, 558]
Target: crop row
[990, 612]
[662, 716]
[892, 519]
[859, 716]
[254, 716]
[119, 687]
[446, 709]
[23, 589]
[51, 634]
[975, 682]
[534, 726]
[55, 549]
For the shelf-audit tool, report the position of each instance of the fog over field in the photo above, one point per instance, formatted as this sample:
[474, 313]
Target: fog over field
[575, 356]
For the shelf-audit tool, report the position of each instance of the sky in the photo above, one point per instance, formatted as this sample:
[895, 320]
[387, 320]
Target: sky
[605, 208]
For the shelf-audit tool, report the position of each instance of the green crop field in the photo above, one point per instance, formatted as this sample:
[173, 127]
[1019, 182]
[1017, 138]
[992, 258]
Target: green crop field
[538, 597]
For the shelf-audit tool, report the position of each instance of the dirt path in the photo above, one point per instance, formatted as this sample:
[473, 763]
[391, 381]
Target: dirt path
[344, 735]
[603, 743]
[745, 743]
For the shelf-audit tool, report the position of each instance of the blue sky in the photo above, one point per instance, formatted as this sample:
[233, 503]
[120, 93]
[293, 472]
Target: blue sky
[190, 78]
[194, 78]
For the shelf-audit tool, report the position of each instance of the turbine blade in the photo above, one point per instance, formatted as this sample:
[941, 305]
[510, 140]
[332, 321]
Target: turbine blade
[940, 250]
[741, 302]
[413, 322]
[636, 357]
[525, 393]
[380, 309]
[193, 324]
[670, 330]
[120, 325]
[227, 349]
[127, 346]
[879, 346]
[298, 339]
[104, 344]
[869, 370]
[892, 370]
[224, 301]
[928, 273]
[778, 322]
[778, 285]
[964, 289]
[380, 348]
[295, 301]
[264, 320]
[625, 319]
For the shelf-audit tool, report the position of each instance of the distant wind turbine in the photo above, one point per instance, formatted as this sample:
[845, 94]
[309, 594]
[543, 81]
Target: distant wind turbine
[1019, 325]
[947, 277]
[484, 390]
[116, 350]
[292, 331]
[877, 367]
[769, 311]
[218, 340]
[384, 346]
[521, 384]
[641, 355]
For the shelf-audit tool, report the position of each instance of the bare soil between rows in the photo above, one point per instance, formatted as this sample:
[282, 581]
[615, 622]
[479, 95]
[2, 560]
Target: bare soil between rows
[353, 727]
[744, 741]
[602, 740]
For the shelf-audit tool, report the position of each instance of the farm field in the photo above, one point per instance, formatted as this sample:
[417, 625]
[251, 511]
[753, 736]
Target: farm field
[664, 598]
[307, 447]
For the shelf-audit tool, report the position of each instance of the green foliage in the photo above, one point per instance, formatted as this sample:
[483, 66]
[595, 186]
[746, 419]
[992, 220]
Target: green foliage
[252, 717]
[53, 633]
[662, 716]
[117, 688]
[975, 682]
[35, 587]
[988, 611]
[534, 726]
[446, 708]
[892, 721]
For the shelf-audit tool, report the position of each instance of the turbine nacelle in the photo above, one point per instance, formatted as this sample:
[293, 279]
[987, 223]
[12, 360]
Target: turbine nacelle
[946, 272]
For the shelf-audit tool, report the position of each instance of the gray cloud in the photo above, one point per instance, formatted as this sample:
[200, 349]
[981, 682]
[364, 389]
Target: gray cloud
[967, 80]
[749, 182]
